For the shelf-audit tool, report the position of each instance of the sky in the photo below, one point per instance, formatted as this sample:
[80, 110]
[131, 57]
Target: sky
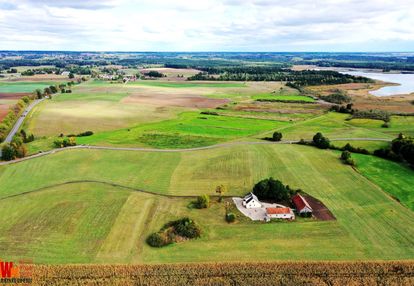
[208, 25]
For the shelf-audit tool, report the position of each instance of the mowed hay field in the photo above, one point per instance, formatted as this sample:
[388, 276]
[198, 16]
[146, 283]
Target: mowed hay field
[335, 125]
[96, 222]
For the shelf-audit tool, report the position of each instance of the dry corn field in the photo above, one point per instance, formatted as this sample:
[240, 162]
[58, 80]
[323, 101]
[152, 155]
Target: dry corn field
[300, 273]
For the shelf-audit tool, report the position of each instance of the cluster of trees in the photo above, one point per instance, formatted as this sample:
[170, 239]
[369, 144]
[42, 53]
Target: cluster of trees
[348, 147]
[343, 108]
[63, 142]
[11, 117]
[26, 137]
[16, 149]
[385, 66]
[82, 134]
[321, 141]
[295, 79]
[82, 70]
[372, 114]
[401, 150]
[366, 114]
[154, 74]
[55, 70]
[173, 231]
[45, 70]
[13, 150]
[338, 97]
[274, 190]
[62, 88]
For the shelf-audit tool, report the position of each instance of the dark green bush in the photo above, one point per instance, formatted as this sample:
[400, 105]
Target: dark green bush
[156, 240]
[202, 202]
[350, 148]
[86, 133]
[187, 228]
[230, 217]
[277, 136]
[209, 113]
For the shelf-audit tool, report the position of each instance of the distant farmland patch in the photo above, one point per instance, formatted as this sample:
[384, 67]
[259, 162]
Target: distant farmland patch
[23, 86]
[186, 85]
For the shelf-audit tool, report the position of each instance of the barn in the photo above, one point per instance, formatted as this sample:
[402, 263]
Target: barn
[302, 206]
[251, 202]
[280, 213]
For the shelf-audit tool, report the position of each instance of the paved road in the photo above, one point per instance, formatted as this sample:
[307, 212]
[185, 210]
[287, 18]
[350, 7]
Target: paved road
[137, 149]
[21, 119]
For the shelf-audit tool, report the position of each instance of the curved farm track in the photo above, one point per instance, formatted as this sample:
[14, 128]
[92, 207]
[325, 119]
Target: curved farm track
[45, 188]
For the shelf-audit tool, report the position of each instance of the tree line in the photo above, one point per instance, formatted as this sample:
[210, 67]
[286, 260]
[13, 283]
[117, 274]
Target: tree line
[294, 79]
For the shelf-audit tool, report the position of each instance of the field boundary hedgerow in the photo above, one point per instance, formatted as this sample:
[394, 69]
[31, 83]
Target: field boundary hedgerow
[276, 273]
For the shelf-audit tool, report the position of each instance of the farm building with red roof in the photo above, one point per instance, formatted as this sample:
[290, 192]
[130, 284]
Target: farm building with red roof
[302, 206]
[282, 213]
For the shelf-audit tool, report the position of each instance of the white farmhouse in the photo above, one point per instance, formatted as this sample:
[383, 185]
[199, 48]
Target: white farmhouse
[65, 73]
[279, 213]
[251, 202]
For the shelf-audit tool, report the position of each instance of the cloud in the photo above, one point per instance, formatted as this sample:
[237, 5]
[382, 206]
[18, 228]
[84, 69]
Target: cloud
[75, 4]
[241, 25]
[5, 5]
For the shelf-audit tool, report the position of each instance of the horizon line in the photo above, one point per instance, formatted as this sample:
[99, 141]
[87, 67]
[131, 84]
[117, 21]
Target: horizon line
[217, 51]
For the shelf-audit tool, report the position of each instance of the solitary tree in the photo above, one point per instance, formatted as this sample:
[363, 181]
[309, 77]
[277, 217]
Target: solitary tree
[221, 189]
[346, 155]
[39, 94]
[277, 136]
[47, 91]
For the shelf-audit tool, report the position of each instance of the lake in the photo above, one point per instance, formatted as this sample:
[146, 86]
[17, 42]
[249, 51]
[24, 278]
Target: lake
[405, 81]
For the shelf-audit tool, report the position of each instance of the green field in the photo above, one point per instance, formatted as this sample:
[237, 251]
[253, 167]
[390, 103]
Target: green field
[93, 222]
[23, 86]
[393, 177]
[98, 206]
[100, 106]
[190, 129]
[397, 124]
[333, 125]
